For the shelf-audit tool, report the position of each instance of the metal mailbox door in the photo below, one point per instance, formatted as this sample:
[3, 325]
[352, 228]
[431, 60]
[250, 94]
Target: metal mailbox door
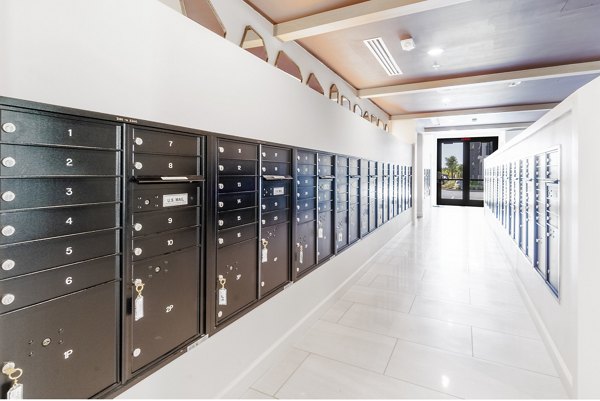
[325, 236]
[275, 256]
[304, 247]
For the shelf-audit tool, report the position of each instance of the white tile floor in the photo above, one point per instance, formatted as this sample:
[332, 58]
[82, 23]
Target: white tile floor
[435, 315]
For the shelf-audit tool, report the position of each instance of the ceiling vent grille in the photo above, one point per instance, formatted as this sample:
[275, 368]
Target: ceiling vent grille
[382, 54]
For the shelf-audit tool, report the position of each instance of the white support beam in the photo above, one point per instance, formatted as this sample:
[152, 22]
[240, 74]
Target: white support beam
[475, 127]
[559, 71]
[468, 112]
[355, 15]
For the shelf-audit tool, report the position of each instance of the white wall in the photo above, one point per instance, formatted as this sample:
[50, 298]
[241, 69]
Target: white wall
[570, 325]
[141, 59]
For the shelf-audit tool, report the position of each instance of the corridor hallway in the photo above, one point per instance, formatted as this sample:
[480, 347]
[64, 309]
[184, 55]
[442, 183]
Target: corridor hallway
[436, 314]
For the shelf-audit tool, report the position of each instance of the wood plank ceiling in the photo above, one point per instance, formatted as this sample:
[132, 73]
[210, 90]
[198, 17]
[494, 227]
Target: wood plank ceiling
[506, 61]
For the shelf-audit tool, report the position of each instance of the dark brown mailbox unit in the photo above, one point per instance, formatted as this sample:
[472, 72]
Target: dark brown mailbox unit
[305, 252]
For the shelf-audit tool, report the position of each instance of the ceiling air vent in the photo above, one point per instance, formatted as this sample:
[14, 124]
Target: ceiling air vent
[382, 54]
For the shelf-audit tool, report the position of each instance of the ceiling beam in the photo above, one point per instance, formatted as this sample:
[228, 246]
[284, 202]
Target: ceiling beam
[504, 126]
[485, 110]
[566, 70]
[355, 15]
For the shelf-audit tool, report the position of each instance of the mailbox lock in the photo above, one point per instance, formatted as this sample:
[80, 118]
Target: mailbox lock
[138, 165]
[8, 299]
[9, 162]
[7, 231]
[137, 227]
[9, 127]
[8, 196]
[8, 264]
[136, 352]
[137, 251]
[139, 141]
[46, 342]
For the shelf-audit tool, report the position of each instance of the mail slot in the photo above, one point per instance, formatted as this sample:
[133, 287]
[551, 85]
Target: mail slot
[66, 347]
[164, 196]
[236, 184]
[236, 201]
[275, 203]
[18, 259]
[26, 161]
[326, 206]
[158, 244]
[237, 167]
[275, 188]
[304, 247]
[304, 157]
[44, 129]
[237, 150]
[41, 286]
[325, 236]
[269, 153]
[306, 181]
[170, 295]
[325, 160]
[325, 171]
[165, 165]
[40, 223]
[154, 222]
[237, 234]
[305, 193]
[305, 169]
[238, 266]
[305, 204]
[272, 168]
[305, 216]
[22, 193]
[236, 218]
[276, 217]
[146, 140]
[274, 255]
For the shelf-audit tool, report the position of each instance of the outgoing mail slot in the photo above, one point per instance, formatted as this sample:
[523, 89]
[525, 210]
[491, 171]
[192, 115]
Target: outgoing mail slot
[23, 258]
[276, 203]
[305, 157]
[22, 193]
[305, 169]
[325, 160]
[67, 347]
[41, 223]
[304, 247]
[269, 153]
[235, 218]
[306, 181]
[170, 305]
[325, 236]
[146, 140]
[275, 188]
[154, 222]
[236, 234]
[238, 266]
[164, 196]
[237, 150]
[276, 217]
[325, 206]
[305, 193]
[274, 267]
[158, 244]
[43, 129]
[305, 216]
[44, 161]
[165, 165]
[325, 171]
[236, 184]
[236, 201]
[34, 288]
[305, 204]
[272, 168]
[236, 167]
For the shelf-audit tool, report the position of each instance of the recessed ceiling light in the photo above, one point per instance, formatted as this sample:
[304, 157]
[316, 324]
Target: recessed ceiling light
[436, 66]
[436, 51]
[515, 83]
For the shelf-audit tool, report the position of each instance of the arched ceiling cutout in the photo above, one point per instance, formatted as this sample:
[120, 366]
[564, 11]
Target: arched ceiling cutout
[345, 103]
[358, 110]
[380, 124]
[386, 128]
[203, 13]
[334, 94]
[254, 43]
[374, 119]
[286, 64]
[314, 84]
[366, 116]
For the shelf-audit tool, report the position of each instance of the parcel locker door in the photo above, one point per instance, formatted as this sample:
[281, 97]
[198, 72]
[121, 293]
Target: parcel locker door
[341, 230]
[275, 256]
[353, 223]
[66, 347]
[169, 287]
[364, 217]
[304, 248]
[553, 245]
[325, 236]
[237, 274]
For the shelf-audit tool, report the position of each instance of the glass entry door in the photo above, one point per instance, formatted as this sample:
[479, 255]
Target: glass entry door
[460, 170]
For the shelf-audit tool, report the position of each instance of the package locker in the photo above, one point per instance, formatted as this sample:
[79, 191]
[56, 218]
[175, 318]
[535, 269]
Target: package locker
[326, 197]
[304, 243]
